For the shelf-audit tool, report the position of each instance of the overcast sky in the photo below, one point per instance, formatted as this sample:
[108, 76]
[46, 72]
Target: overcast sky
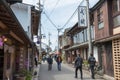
[59, 12]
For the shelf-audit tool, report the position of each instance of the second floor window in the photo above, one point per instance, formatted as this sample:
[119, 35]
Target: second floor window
[100, 18]
[115, 6]
[116, 21]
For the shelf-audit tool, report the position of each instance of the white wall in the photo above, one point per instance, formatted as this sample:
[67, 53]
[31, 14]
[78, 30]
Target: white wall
[95, 51]
[23, 15]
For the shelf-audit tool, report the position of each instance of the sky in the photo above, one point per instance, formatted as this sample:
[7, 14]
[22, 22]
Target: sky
[56, 13]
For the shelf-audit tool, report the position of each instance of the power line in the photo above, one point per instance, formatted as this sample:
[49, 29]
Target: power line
[50, 20]
[54, 7]
[72, 15]
[67, 20]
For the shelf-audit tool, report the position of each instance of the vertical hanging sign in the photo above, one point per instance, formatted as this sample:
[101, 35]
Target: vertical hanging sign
[82, 16]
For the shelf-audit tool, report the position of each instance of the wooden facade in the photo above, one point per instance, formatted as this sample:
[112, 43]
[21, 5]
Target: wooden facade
[16, 49]
[107, 37]
[75, 47]
[107, 34]
[102, 31]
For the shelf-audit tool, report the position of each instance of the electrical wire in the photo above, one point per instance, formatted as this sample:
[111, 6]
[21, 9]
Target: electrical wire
[72, 15]
[67, 20]
[50, 20]
[54, 7]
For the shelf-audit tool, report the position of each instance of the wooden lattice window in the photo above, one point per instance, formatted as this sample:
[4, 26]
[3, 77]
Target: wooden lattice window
[116, 58]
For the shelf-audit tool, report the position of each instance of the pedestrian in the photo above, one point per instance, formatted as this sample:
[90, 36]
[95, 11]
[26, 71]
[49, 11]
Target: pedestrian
[44, 58]
[78, 65]
[50, 62]
[92, 62]
[36, 61]
[59, 61]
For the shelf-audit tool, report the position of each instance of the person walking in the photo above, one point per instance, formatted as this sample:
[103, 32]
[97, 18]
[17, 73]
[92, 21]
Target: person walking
[50, 62]
[59, 61]
[78, 65]
[92, 62]
[36, 61]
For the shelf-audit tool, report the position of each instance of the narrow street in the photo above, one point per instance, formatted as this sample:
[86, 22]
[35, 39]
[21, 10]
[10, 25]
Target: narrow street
[67, 73]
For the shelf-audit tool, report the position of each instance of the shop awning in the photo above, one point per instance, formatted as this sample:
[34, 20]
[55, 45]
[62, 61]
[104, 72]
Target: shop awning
[77, 46]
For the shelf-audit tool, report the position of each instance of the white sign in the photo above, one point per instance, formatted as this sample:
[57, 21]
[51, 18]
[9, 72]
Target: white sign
[82, 16]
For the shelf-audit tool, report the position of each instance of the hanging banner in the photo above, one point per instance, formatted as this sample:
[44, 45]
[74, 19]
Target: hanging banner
[82, 16]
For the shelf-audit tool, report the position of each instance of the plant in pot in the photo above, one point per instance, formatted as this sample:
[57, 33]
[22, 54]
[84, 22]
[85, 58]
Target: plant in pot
[27, 74]
[20, 75]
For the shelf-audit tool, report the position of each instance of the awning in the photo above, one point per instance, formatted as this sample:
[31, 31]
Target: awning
[77, 46]
[8, 19]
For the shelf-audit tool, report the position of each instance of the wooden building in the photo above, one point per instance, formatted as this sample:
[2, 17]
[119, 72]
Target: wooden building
[105, 22]
[14, 44]
[106, 15]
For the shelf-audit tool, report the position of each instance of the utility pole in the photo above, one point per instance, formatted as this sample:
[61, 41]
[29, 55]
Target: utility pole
[40, 36]
[49, 42]
[89, 29]
[58, 29]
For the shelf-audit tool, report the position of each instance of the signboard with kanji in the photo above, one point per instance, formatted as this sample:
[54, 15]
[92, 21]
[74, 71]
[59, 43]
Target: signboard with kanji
[82, 16]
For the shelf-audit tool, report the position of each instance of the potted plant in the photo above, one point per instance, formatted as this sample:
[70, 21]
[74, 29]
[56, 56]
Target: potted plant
[28, 75]
[24, 75]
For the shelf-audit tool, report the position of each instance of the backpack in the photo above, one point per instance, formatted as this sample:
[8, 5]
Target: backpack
[79, 62]
[50, 61]
[92, 61]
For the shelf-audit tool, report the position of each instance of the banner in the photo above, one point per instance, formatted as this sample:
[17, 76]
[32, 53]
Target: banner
[82, 16]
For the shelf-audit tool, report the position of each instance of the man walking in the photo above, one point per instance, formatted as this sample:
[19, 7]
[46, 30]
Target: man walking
[50, 61]
[92, 62]
[59, 61]
[78, 65]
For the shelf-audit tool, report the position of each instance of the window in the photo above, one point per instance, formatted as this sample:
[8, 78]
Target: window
[85, 35]
[92, 31]
[100, 18]
[116, 6]
[75, 39]
[100, 25]
[116, 21]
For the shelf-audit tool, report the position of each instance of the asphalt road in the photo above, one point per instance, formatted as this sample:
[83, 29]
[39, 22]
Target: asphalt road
[67, 73]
